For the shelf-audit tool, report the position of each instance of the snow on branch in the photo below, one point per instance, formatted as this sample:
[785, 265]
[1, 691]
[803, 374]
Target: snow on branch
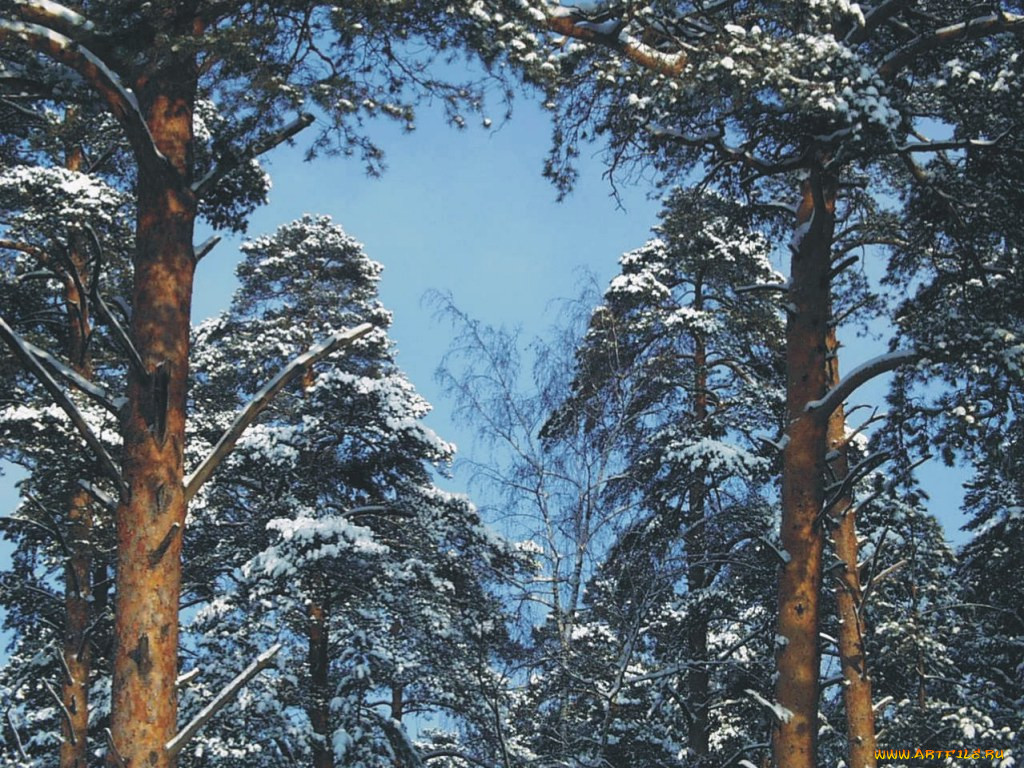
[954, 144]
[184, 680]
[779, 712]
[98, 495]
[221, 700]
[668, 64]
[17, 736]
[22, 352]
[119, 99]
[980, 26]
[257, 148]
[55, 16]
[97, 393]
[63, 709]
[434, 754]
[262, 398]
[860, 375]
[206, 246]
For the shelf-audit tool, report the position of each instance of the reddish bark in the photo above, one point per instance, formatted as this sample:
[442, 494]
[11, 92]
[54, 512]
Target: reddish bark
[860, 715]
[798, 655]
[150, 521]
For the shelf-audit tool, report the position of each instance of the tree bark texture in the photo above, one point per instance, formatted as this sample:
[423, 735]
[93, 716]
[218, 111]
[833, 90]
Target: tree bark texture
[150, 521]
[860, 714]
[797, 652]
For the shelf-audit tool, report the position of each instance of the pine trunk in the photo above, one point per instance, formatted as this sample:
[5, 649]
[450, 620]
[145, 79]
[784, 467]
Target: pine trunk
[319, 660]
[860, 715]
[699, 680]
[150, 521]
[74, 748]
[798, 654]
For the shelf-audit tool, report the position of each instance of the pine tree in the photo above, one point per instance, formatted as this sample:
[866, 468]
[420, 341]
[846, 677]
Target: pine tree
[52, 217]
[685, 350]
[325, 526]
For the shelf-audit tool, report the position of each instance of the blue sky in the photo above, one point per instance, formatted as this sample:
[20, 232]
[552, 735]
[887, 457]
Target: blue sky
[468, 212]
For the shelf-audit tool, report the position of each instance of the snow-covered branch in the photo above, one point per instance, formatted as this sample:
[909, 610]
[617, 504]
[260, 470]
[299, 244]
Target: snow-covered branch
[98, 495]
[205, 247]
[104, 311]
[257, 148]
[63, 709]
[979, 26]
[183, 680]
[874, 19]
[860, 375]
[95, 392]
[57, 17]
[221, 700]
[953, 144]
[22, 352]
[262, 398]
[119, 99]
[669, 64]
[434, 754]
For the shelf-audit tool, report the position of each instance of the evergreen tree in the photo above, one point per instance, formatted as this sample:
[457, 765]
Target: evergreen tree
[324, 531]
[685, 349]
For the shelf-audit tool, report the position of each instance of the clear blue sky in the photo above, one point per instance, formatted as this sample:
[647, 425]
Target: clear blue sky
[468, 212]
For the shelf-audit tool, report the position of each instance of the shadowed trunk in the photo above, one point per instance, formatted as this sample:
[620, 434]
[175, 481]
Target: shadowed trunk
[319, 694]
[150, 521]
[860, 716]
[74, 748]
[699, 682]
[798, 654]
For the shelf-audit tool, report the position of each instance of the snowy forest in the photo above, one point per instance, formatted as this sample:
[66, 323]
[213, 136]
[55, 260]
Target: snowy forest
[696, 534]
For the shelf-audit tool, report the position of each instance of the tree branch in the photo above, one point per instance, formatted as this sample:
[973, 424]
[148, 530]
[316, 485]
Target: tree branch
[668, 64]
[18, 346]
[953, 144]
[63, 709]
[258, 147]
[57, 17]
[119, 100]
[17, 736]
[262, 398]
[98, 495]
[222, 699]
[971, 29]
[860, 375]
[95, 392]
[206, 246]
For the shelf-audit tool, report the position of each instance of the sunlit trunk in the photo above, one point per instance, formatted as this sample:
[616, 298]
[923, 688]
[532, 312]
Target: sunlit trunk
[860, 715]
[150, 521]
[797, 653]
